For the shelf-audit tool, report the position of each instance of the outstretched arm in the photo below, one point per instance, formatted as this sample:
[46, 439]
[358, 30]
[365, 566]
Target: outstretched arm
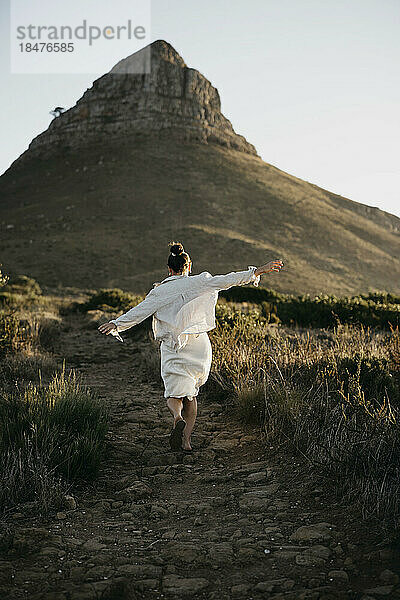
[252, 275]
[132, 317]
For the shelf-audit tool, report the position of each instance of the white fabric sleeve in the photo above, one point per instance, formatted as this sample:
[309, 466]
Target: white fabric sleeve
[137, 314]
[223, 282]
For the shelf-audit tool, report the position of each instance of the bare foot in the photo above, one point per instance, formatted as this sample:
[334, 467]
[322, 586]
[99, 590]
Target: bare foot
[186, 443]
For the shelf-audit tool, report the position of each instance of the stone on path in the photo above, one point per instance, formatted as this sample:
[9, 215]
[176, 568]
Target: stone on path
[178, 551]
[380, 591]
[69, 503]
[30, 539]
[312, 533]
[145, 571]
[182, 586]
[338, 577]
[256, 477]
[388, 577]
[316, 555]
[94, 544]
[136, 491]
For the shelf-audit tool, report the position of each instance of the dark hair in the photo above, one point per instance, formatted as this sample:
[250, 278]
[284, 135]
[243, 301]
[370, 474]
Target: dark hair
[178, 260]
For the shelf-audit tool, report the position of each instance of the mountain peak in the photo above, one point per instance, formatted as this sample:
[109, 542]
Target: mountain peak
[143, 60]
[149, 93]
[167, 52]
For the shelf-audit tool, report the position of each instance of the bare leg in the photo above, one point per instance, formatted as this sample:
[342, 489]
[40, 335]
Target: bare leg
[175, 406]
[189, 413]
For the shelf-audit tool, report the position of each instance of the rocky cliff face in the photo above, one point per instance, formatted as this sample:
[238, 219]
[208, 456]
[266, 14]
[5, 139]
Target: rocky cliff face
[151, 92]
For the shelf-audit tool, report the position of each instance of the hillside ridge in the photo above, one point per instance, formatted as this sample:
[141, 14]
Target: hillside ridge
[139, 161]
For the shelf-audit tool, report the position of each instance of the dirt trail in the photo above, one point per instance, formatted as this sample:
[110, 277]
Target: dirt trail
[232, 520]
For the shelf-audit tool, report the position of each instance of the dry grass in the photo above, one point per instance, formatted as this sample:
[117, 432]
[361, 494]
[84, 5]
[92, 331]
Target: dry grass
[49, 435]
[25, 366]
[52, 428]
[334, 396]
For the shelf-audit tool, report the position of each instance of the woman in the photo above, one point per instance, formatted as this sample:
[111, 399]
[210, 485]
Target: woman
[183, 309]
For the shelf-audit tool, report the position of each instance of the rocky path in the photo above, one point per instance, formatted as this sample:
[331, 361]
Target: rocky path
[233, 520]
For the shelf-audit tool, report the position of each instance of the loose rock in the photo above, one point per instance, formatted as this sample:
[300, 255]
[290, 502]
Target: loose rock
[312, 533]
[389, 578]
[339, 577]
[173, 584]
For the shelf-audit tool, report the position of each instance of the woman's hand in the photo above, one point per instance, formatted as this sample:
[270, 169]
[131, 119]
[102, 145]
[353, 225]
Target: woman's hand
[107, 328]
[272, 265]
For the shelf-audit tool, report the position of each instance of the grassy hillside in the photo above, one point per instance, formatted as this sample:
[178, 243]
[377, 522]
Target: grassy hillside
[103, 217]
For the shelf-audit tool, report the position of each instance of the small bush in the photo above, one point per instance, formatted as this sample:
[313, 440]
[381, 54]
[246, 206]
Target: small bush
[372, 374]
[21, 284]
[20, 291]
[381, 298]
[372, 310]
[394, 350]
[57, 431]
[14, 334]
[111, 299]
[228, 316]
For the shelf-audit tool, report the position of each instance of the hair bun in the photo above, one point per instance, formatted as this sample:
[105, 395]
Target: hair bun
[176, 248]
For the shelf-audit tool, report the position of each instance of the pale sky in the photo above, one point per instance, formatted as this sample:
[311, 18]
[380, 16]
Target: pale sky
[313, 84]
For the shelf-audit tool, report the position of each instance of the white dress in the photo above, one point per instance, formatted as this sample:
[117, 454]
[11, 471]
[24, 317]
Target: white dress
[183, 309]
[184, 371]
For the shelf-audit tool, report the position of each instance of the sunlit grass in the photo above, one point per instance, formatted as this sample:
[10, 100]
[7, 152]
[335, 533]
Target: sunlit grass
[49, 435]
[333, 396]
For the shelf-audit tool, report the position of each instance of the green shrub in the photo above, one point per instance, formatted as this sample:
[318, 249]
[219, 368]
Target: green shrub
[378, 309]
[269, 312]
[111, 299]
[381, 298]
[228, 316]
[256, 295]
[59, 428]
[21, 284]
[20, 291]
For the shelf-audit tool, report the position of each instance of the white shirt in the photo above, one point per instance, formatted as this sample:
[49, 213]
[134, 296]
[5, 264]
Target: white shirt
[183, 304]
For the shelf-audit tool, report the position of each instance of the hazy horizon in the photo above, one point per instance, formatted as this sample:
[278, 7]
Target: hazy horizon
[315, 87]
